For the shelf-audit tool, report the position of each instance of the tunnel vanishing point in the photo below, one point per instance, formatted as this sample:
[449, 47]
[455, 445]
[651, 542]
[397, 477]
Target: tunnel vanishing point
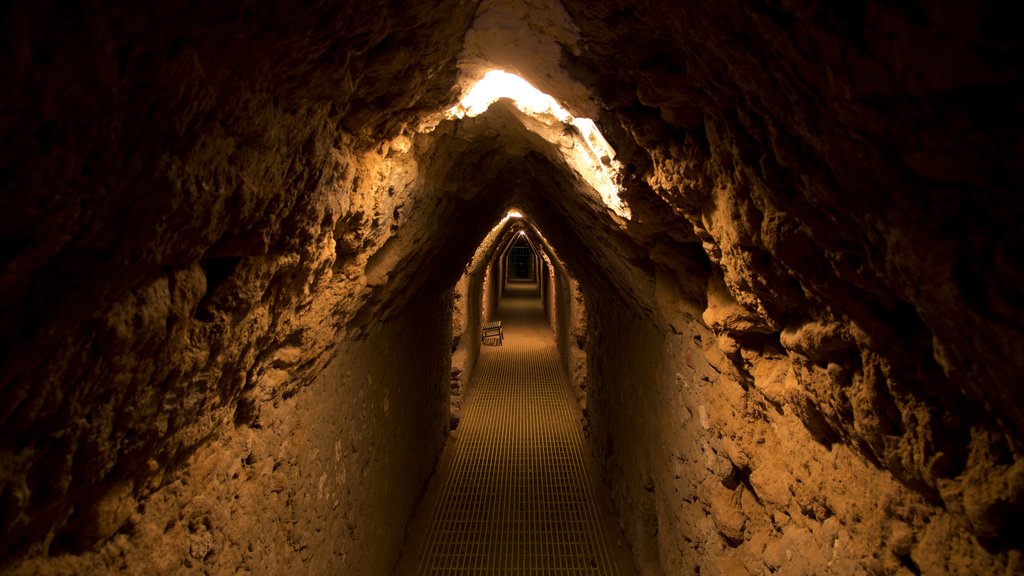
[248, 247]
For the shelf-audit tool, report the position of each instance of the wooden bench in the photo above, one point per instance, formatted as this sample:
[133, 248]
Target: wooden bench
[492, 330]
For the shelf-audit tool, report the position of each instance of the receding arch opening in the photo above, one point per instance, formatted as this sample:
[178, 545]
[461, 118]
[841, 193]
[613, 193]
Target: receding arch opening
[579, 139]
[516, 252]
[228, 266]
[527, 397]
[521, 262]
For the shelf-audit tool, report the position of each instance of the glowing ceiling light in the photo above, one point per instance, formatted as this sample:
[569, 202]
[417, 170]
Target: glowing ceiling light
[511, 214]
[593, 157]
[497, 84]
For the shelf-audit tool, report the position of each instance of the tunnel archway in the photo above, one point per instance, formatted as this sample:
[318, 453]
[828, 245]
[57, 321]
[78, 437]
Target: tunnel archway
[225, 304]
[521, 262]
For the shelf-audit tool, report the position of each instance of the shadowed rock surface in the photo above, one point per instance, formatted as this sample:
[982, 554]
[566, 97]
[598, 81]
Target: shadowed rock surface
[241, 242]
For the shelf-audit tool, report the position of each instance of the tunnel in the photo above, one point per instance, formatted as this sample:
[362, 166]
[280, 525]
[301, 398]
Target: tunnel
[769, 253]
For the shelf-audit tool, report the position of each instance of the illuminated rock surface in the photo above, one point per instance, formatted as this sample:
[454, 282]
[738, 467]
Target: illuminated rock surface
[232, 235]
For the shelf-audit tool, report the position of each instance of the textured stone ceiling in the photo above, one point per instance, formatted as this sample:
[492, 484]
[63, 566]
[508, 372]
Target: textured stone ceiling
[201, 202]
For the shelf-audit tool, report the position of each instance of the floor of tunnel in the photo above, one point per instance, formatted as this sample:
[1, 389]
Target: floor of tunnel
[516, 490]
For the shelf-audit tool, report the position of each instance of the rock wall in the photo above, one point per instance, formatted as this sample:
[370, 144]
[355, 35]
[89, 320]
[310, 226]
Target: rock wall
[813, 155]
[567, 315]
[802, 351]
[191, 197]
[465, 343]
[322, 479]
[714, 476]
[476, 297]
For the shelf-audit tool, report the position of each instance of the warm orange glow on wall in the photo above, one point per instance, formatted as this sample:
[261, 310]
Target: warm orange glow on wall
[592, 156]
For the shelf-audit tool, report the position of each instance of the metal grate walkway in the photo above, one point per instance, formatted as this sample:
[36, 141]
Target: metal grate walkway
[516, 496]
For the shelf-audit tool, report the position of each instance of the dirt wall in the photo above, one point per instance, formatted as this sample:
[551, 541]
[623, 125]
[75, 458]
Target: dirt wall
[713, 473]
[202, 202]
[321, 481]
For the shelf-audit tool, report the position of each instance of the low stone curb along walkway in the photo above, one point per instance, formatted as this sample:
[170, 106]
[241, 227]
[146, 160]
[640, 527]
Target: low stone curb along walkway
[515, 493]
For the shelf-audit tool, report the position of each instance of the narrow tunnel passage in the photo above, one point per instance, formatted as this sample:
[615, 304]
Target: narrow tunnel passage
[516, 490]
[777, 259]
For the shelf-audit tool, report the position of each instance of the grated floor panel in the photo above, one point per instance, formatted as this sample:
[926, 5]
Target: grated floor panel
[517, 496]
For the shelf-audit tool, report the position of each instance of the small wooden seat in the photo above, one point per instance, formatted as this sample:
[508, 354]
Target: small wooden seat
[492, 330]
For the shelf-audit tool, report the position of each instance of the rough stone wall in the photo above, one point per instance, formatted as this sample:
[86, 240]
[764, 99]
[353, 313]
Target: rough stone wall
[853, 194]
[710, 476]
[475, 302]
[489, 290]
[323, 480]
[568, 322]
[191, 195]
[547, 283]
[496, 279]
[803, 350]
[626, 439]
[464, 345]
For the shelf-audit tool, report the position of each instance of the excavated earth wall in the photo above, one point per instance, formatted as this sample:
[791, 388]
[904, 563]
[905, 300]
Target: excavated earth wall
[228, 261]
[194, 194]
[852, 177]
